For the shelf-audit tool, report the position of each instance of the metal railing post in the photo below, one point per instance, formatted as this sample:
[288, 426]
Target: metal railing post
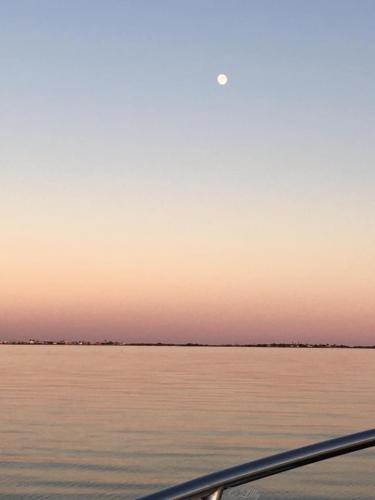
[216, 495]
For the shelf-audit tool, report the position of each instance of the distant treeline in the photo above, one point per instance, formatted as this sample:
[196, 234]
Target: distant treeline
[188, 344]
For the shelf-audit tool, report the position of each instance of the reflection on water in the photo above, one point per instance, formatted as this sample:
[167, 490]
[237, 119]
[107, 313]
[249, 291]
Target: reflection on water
[119, 422]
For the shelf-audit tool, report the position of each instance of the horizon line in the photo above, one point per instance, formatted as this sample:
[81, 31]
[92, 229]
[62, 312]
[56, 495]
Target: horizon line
[294, 345]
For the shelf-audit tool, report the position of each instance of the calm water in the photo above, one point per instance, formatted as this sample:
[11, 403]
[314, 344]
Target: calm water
[118, 422]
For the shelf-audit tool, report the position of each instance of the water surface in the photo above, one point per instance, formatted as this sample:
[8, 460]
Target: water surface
[119, 422]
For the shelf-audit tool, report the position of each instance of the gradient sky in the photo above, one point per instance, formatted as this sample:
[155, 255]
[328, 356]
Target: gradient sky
[141, 201]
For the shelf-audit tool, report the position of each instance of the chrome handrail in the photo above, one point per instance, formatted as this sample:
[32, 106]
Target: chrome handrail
[212, 486]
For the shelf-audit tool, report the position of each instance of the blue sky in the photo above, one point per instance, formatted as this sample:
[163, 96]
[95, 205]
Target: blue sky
[136, 73]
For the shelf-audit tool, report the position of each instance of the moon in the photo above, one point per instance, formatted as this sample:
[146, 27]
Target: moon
[222, 79]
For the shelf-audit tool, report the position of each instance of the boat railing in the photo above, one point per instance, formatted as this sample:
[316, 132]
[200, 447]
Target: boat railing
[212, 486]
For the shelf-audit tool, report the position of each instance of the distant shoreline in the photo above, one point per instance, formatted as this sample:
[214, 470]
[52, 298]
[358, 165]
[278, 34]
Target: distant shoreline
[82, 343]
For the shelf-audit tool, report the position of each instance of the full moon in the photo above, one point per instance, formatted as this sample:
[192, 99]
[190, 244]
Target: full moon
[222, 79]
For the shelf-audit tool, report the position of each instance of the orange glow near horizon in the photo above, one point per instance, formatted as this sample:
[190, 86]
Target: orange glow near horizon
[213, 278]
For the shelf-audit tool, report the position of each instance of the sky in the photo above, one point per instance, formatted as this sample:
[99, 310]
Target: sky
[140, 201]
